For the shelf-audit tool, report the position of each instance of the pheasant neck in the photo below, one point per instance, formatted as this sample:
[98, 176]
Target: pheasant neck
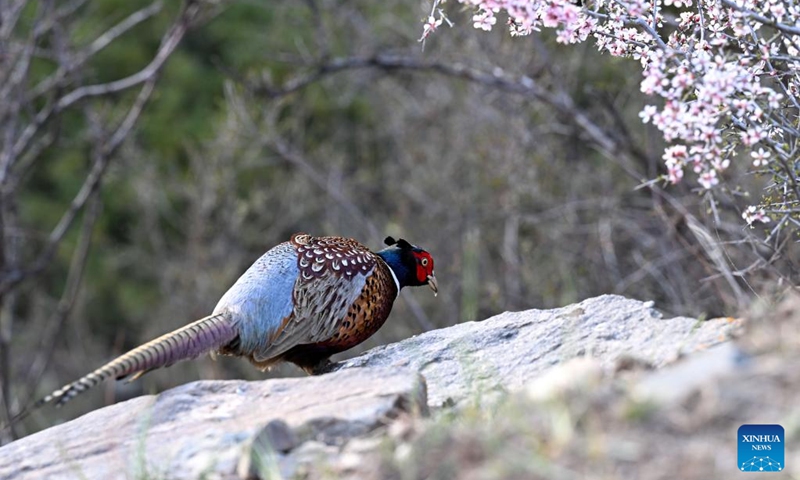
[394, 259]
[396, 281]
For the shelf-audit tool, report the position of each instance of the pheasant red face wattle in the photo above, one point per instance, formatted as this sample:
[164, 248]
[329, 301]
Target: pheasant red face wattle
[424, 269]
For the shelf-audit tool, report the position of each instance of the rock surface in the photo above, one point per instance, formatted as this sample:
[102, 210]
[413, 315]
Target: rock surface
[207, 428]
[579, 420]
[235, 429]
[509, 349]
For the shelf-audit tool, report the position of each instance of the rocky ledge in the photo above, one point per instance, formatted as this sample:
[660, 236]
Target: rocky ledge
[332, 425]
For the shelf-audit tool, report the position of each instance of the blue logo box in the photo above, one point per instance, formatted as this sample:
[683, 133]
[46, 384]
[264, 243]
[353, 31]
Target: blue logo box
[761, 448]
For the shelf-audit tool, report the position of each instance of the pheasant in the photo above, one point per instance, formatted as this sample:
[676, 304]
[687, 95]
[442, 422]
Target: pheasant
[301, 302]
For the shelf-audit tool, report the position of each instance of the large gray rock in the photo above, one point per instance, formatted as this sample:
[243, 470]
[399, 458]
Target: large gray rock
[206, 429]
[510, 349]
[579, 420]
[235, 429]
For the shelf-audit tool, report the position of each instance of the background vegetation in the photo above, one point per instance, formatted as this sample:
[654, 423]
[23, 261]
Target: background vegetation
[516, 162]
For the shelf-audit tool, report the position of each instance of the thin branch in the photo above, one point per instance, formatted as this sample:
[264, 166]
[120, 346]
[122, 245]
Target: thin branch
[9, 253]
[95, 47]
[524, 86]
[7, 312]
[57, 320]
[104, 154]
[92, 182]
[291, 155]
[168, 44]
[10, 15]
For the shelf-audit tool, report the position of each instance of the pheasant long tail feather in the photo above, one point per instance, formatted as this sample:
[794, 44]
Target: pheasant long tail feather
[191, 341]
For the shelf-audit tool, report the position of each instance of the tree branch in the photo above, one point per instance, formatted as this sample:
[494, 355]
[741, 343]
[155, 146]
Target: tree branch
[102, 159]
[168, 44]
[96, 46]
[55, 324]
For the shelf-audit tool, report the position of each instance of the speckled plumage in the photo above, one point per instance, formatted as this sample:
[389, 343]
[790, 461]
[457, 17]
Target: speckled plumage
[329, 279]
[302, 301]
[371, 290]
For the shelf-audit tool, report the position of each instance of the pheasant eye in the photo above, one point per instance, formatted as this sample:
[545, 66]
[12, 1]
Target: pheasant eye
[424, 262]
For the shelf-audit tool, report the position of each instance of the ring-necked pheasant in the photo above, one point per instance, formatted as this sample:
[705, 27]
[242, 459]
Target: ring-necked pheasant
[301, 302]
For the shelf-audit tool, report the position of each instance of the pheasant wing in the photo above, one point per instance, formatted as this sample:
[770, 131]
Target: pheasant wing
[332, 274]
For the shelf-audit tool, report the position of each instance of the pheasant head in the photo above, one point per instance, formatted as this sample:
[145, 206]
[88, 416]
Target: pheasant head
[410, 265]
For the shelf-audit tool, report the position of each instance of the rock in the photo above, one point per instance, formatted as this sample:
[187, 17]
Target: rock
[304, 426]
[511, 349]
[275, 438]
[208, 428]
[677, 421]
[674, 383]
[576, 375]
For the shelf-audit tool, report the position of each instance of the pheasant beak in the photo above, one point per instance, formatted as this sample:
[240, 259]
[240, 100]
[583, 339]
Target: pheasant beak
[432, 283]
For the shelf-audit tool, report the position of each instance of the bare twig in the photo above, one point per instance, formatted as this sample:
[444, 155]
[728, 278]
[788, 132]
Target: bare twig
[10, 12]
[92, 182]
[103, 155]
[168, 44]
[282, 148]
[9, 253]
[524, 85]
[96, 46]
[55, 323]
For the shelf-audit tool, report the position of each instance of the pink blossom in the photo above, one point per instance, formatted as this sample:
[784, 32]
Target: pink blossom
[678, 3]
[430, 26]
[676, 154]
[674, 173]
[721, 79]
[647, 113]
[755, 214]
[753, 136]
[708, 179]
[778, 10]
[760, 158]
[484, 20]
